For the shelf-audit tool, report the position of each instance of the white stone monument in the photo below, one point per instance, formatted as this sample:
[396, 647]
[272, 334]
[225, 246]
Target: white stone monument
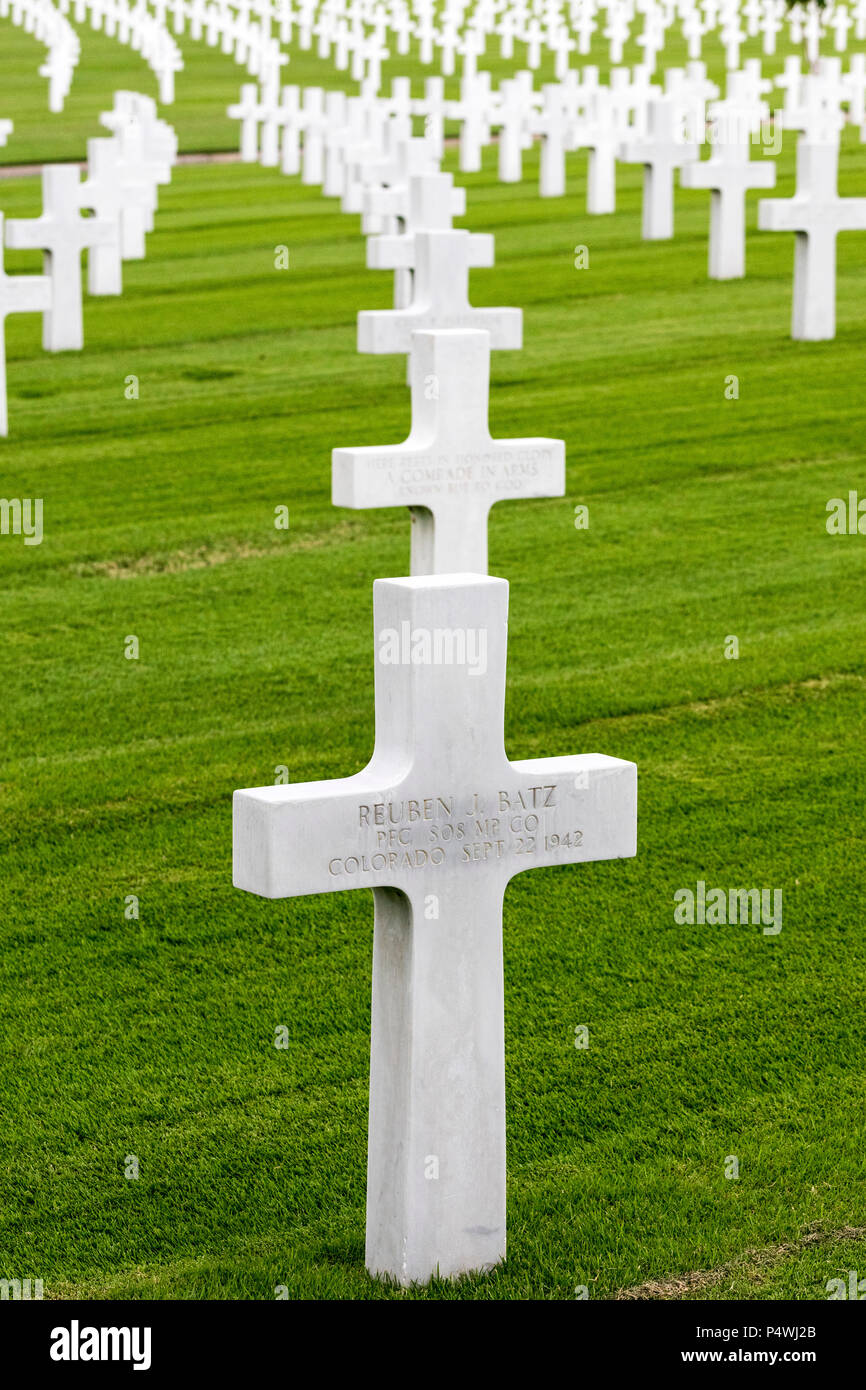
[425, 202]
[105, 194]
[440, 299]
[437, 824]
[449, 471]
[62, 233]
[664, 148]
[19, 294]
[728, 173]
[816, 214]
[250, 113]
[601, 134]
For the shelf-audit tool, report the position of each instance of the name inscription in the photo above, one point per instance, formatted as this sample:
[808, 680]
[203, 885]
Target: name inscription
[456, 473]
[417, 833]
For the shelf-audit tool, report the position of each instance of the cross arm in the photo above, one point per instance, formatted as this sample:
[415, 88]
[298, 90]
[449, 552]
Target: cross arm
[26, 233]
[760, 175]
[722, 177]
[783, 215]
[383, 201]
[292, 840]
[38, 234]
[851, 215]
[440, 300]
[699, 175]
[391, 252]
[390, 330]
[373, 476]
[24, 294]
[398, 252]
[634, 152]
[570, 810]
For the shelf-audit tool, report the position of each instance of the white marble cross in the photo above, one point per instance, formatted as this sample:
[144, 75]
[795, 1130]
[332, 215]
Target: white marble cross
[818, 109]
[426, 202]
[133, 189]
[401, 26]
[663, 149]
[249, 112]
[432, 108]
[771, 23]
[506, 29]
[840, 23]
[440, 299]
[854, 87]
[692, 27]
[698, 90]
[374, 53]
[790, 81]
[600, 132]
[421, 201]
[314, 124]
[273, 114]
[651, 40]
[19, 294]
[585, 26]
[562, 46]
[437, 824]
[345, 133]
[109, 197]
[58, 67]
[816, 214]
[62, 233]
[641, 91]
[288, 123]
[449, 472]
[159, 140]
[532, 37]
[512, 115]
[617, 30]
[473, 111]
[750, 85]
[373, 160]
[426, 33]
[385, 180]
[551, 126]
[812, 29]
[733, 38]
[141, 167]
[752, 11]
[728, 173]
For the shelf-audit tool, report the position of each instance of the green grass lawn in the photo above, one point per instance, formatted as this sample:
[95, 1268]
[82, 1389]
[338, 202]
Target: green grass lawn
[155, 1037]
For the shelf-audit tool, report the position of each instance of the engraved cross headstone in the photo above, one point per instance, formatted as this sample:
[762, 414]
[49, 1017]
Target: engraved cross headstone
[250, 113]
[663, 149]
[62, 233]
[728, 173]
[436, 824]
[426, 202]
[108, 194]
[440, 299]
[816, 214]
[600, 132]
[449, 472]
[420, 198]
[19, 294]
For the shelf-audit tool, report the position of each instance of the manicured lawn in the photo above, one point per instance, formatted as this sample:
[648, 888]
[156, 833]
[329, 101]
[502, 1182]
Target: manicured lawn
[155, 1037]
